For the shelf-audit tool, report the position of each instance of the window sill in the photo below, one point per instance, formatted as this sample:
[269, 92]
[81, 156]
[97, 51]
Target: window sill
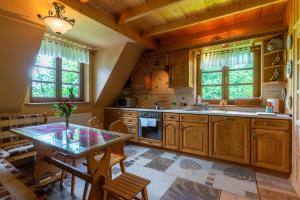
[50, 103]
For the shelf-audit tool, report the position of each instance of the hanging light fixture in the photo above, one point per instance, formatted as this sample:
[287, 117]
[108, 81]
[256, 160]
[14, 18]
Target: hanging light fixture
[57, 22]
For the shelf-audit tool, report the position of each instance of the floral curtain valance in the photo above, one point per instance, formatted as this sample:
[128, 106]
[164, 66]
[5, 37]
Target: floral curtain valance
[230, 58]
[57, 49]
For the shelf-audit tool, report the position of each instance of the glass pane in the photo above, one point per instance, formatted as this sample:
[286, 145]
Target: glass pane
[241, 76]
[240, 91]
[43, 74]
[70, 65]
[45, 61]
[212, 92]
[241, 66]
[213, 78]
[65, 91]
[211, 68]
[43, 89]
[70, 77]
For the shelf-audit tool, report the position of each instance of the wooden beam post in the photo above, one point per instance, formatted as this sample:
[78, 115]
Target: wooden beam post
[144, 10]
[219, 12]
[109, 20]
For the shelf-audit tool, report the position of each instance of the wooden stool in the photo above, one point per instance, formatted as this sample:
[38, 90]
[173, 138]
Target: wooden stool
[126, 186]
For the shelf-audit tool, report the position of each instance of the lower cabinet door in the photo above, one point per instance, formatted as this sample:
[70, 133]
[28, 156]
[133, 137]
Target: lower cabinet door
[271, 149]
[230, 138]
[194, 138]
[171, 135]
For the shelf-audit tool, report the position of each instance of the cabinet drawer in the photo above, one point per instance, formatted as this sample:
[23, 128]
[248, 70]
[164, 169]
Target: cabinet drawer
[129, 114]
[171, 117]
[194, 118]
[129, 121]
[132, 128]
[271, 124]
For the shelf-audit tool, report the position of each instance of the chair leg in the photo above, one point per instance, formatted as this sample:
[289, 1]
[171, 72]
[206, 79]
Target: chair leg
[105, 195]
[73, 179]
[110, 173]
[86, 187]
[144, 194]
[122, 165]
[63, 173]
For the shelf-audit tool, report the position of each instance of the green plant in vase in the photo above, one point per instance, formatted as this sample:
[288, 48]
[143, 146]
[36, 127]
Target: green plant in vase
[64, 109]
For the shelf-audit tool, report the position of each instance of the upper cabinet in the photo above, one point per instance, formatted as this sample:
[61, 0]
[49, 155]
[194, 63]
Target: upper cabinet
[180, 70]
[177, 64]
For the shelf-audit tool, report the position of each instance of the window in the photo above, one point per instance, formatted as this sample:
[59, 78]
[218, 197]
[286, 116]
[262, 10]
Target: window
[227, 74]
[51, 78]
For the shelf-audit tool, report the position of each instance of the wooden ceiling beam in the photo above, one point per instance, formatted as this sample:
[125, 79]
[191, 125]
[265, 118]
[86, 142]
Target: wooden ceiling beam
[144, 9]
[110, 21]
[215, 13]
[223, 34]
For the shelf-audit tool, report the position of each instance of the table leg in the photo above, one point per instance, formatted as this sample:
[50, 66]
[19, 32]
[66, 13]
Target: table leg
[73, 178]
[99, 174]
[40, 166]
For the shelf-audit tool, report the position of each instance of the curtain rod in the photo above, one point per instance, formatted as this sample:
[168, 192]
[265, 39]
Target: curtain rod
[226, 49]
[66, 42]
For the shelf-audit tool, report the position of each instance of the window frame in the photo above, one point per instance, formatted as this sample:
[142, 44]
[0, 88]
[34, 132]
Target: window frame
[58, 82]
[225, 79]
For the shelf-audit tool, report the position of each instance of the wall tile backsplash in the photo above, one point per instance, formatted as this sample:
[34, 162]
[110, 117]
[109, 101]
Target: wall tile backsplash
[161, 92]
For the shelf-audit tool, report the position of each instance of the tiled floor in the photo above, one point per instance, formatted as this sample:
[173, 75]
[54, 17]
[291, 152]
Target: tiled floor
[181, 177]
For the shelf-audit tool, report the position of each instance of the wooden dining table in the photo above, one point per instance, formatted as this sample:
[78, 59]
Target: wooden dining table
[77, 142]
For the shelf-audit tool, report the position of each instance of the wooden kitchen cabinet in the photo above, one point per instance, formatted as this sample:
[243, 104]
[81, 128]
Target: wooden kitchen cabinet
[179, 69]
[270, 149]
[171, 135]
[194, 138]
[229, 138]
[110, 116]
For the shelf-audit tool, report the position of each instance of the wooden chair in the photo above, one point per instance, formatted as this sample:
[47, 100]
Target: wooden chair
[117, 152]
[95, 123]
[126, 186]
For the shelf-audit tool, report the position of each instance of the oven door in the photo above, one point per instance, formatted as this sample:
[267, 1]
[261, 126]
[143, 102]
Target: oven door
[150, 132]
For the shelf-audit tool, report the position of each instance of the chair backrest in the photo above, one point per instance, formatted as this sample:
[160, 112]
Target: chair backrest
[8, 122]
[95, 123]
[118, 126]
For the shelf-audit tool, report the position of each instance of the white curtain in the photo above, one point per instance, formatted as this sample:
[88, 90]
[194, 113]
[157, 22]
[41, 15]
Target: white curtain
[231, 58]
[57, 49]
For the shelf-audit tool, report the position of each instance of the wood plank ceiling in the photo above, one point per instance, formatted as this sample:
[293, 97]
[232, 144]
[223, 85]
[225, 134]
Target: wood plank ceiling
[183, 23]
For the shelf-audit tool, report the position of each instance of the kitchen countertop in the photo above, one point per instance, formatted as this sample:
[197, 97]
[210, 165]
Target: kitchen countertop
[211, 112]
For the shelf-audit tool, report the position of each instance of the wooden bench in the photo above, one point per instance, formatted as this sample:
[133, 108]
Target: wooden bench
[14, 184]
[12, 147]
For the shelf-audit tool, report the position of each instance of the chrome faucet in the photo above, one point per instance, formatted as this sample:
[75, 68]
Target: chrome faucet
[157, 105]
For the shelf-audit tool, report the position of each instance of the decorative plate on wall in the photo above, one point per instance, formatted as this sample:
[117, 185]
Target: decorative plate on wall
[288, 72]
[288, 102]
[289, 41]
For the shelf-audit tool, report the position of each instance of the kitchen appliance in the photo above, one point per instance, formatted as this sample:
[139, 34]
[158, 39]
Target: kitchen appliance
[150, 125]
[126, 102]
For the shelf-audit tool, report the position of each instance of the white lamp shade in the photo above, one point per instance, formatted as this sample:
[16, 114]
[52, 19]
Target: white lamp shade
[58, 25]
